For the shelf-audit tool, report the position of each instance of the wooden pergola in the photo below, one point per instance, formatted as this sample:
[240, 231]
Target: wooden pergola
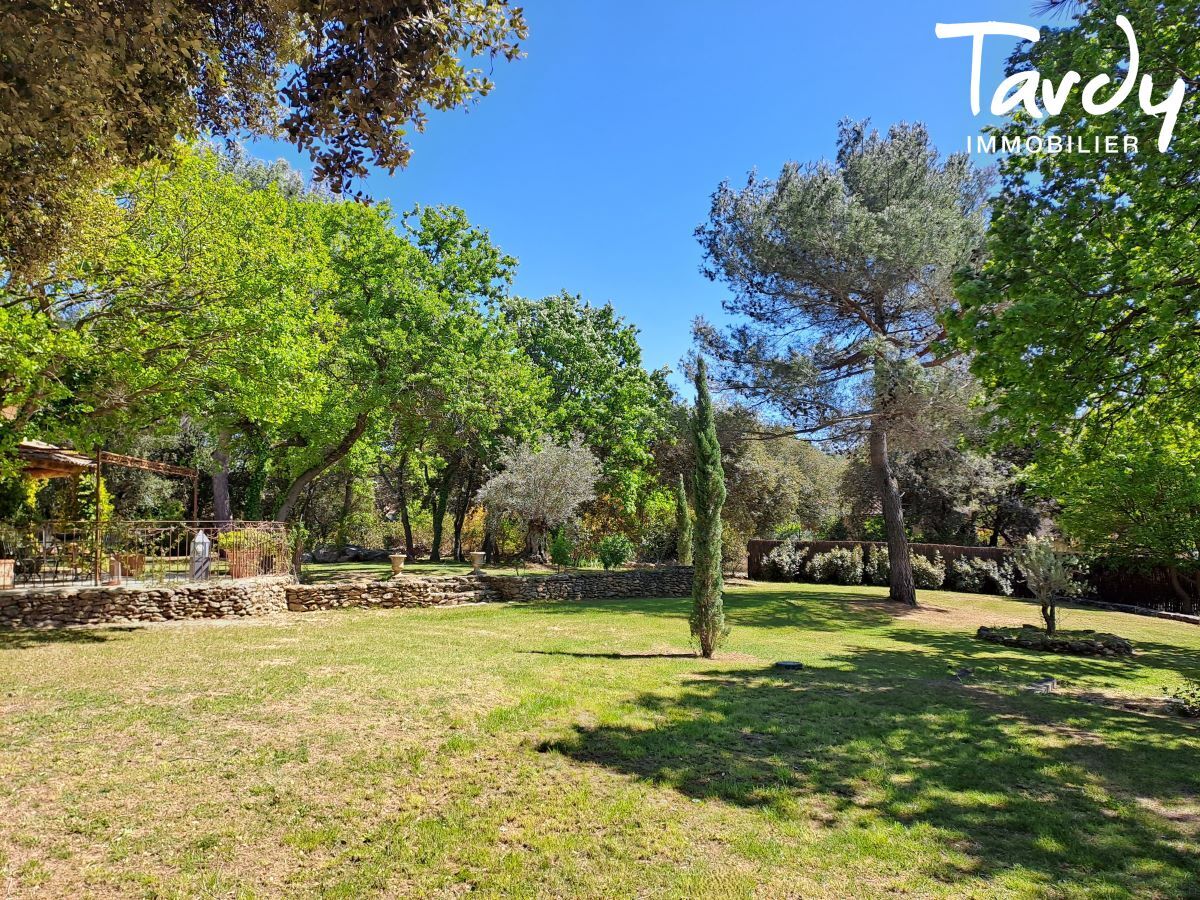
[48, 461]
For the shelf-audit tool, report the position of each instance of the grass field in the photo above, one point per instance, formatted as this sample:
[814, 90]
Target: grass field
[578, 749]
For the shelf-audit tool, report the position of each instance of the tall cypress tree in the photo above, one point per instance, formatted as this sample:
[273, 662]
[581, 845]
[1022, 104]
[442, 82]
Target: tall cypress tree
[708, 613]
[683, 525]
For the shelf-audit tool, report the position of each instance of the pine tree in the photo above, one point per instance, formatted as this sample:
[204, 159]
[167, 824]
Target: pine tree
[708, 613]
[683, 525]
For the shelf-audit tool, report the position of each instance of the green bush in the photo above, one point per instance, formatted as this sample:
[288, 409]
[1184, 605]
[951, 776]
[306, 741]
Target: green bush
[251, 539]
[877, 569]
[785, 562]
[561, 552]
[840, 565]
[980, 576]
[794, 530]
[928, 572]
[614, 550]
[733, 551]
[1185, 698]
[360, 529]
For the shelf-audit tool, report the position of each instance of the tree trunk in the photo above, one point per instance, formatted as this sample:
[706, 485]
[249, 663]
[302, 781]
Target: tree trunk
[1050, 615]
[535, 542]
[306, 477]
[460, 516]
[222, 509]
[902, 588]
[410, 552]
[491, 545]
[440, 501]
[1180, 590]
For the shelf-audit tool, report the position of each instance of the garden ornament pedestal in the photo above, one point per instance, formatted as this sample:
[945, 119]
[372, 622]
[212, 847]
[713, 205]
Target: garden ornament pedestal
[477, 558]
[397, 561]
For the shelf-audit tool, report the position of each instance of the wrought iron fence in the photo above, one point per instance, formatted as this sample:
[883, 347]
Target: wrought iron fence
[141, 552]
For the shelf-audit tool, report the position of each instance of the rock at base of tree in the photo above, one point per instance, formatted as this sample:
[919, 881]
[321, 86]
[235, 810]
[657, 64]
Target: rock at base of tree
[1078, 643]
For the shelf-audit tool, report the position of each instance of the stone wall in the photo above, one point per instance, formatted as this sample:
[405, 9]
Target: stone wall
[414, 590]
[57, 606]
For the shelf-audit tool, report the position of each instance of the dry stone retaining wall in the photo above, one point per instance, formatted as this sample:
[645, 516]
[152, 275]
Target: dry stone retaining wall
[59, 606]
[413, 590]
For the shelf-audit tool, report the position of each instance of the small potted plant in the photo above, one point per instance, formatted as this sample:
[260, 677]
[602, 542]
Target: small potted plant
[243, 551]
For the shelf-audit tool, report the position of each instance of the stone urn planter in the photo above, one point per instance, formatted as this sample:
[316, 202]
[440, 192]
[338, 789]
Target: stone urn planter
[477, 558]
[7, 574]
[397, 561]
[243, 563]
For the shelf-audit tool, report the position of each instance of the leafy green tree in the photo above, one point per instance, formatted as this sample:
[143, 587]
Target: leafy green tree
[598, 386]
[683, 524]
[1132, 494]
[843, 271]
[708, 610]
[1087, 303]
[106, 84]
[772, 478]
[192, 291]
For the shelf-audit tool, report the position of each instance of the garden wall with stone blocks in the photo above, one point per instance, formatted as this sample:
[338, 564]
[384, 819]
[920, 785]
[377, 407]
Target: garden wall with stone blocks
[408, 590]
[59, 606]
[51, 607]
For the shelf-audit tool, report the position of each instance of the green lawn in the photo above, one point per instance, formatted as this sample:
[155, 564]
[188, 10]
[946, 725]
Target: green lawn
[578, 749]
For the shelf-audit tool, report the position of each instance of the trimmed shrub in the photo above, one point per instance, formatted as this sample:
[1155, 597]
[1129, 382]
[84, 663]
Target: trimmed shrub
[980, 576]
[928, 572]
[839, 566]
[786, 562]
[877, 569]
[614, 550]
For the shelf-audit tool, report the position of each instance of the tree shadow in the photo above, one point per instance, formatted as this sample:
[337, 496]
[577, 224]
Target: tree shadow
[958, 649]
[614, 655]
[1046, 784]
[810, 610]
[24, 638]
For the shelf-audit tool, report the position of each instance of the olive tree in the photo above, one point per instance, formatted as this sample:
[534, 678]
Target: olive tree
[1048, 575]
[842, 272]
[543, 488]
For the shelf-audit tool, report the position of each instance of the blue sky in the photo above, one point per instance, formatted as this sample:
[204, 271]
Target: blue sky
[594, 158]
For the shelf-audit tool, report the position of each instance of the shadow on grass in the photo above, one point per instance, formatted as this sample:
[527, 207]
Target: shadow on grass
[812, 610]
[962, 648]
[611, 655]
[23, 638]
[1050, 787]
